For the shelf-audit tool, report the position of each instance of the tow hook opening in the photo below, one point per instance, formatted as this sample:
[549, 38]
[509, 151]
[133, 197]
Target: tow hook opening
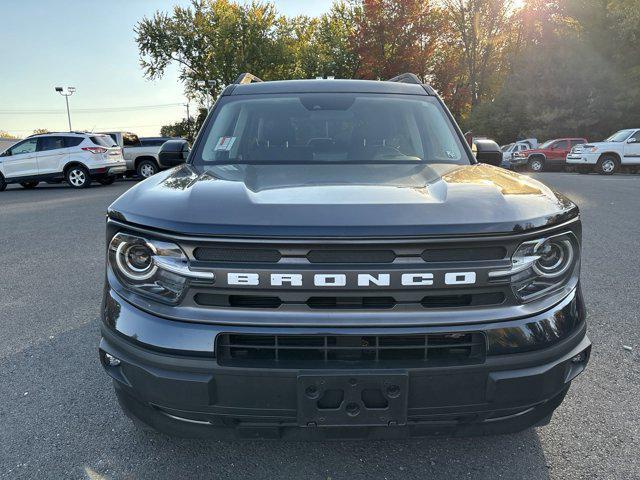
[577, 364]
[113, 366]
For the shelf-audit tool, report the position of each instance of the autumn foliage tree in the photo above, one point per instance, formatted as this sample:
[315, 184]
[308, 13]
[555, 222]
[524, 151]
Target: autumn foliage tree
[393, 37]
[543, 68]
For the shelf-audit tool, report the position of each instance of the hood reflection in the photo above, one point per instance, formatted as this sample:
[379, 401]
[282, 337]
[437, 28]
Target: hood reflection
[509, 183]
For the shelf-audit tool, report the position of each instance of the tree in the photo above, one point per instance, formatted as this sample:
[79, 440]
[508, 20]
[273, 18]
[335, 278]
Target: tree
[481, 33]
[186, 128]
[4, 134]
[546, 92]
[396, 36]
[38, 131]
[324, 46]
[215, 40]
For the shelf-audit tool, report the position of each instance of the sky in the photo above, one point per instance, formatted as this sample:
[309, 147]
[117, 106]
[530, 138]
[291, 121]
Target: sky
[89, 44]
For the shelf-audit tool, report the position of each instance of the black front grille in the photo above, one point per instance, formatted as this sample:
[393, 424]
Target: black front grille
[472, 254]
[350, 351]
[350, 302]
[351, 256]
[239, 255]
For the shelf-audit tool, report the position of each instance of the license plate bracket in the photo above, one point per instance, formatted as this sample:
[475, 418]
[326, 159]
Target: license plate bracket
[352, 399]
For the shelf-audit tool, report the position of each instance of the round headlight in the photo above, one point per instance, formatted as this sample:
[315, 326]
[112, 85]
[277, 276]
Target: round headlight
[135, 260]
[555, 257]
[138, 258]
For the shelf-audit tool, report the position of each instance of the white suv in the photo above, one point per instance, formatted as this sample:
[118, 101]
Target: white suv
[619, 150]
[79, 158]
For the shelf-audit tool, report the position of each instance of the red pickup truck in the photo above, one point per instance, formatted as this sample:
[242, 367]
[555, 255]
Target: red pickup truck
[550, 153]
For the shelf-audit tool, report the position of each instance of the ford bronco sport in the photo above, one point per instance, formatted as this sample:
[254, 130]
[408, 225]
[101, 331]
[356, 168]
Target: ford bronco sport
[332, 261]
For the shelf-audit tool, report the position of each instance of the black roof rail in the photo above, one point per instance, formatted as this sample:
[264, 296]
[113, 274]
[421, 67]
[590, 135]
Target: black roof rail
[245, 78]
[406, 78]
[414, 79]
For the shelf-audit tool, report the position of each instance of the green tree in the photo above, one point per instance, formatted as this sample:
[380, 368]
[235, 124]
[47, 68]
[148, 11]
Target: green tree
[325, 46]
[186, 128]
[4, 134]
[215, 40]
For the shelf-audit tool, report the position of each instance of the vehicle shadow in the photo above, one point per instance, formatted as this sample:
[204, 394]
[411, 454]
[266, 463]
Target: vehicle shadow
[16, 187]
[60, 419]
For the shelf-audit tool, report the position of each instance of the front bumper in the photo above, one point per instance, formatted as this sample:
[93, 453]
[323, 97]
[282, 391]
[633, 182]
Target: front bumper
[583, 158]
[516, 161]
[161, 382]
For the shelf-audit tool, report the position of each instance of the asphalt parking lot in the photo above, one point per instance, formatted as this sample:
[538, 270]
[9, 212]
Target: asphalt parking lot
[59, 418]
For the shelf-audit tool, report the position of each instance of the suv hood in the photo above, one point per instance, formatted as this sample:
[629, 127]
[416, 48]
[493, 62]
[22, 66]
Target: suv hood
[341, 201]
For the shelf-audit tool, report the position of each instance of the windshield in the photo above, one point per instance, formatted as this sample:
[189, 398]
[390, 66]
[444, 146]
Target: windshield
[329, 128]
[620, 136]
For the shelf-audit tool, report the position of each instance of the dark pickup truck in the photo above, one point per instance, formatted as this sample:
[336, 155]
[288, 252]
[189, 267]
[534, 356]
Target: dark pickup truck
[333, 261]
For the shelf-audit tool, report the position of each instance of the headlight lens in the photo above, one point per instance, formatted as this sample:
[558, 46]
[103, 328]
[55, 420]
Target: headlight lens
[153, 268]
[135, 260]
[542, 266]
[556, 256]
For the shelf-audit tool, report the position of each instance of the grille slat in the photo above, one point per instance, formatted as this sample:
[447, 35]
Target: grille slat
[239, 255]
[349, 351]
[471, 254]
[346, 303]
[351, 256]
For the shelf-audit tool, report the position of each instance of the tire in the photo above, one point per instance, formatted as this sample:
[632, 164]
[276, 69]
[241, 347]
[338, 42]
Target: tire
[3, 183]
[147, 168]
[536, 164]
[107, 180]
[78, 177]
[29, 185]
[607, 165]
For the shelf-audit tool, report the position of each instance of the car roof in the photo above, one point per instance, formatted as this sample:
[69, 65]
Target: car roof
[326, 86]
[58, 134]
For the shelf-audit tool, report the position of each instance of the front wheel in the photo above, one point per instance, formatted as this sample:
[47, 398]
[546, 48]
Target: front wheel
[107, 180]
[29, 185]
[147, 168]
[536, 164]
[78, 177]
[607, 165]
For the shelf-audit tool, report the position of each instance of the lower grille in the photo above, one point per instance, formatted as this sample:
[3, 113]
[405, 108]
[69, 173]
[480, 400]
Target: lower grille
[350, 351]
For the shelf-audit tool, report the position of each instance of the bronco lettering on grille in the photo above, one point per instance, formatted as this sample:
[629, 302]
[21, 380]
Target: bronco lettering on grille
[340, 279]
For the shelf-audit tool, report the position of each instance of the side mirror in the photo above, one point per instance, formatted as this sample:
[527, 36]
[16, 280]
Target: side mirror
[632, 140]
[488, 151]
[173, 152]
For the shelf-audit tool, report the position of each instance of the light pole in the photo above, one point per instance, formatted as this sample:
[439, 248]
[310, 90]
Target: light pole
[66, 93]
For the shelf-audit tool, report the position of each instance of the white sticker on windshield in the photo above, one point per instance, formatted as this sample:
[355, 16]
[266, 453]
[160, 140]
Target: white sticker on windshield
[225, 143]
